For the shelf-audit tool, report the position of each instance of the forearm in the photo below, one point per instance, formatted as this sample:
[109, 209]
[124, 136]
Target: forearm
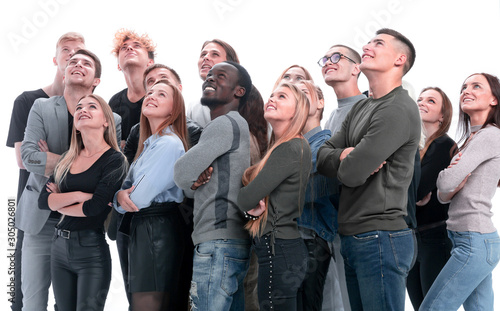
[19, 160]
[328, 160]
[51, 162]
[74, 210]
[444, 198]
[57, 201]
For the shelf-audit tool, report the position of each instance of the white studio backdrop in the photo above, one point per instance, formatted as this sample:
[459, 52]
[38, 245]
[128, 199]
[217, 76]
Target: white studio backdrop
[453, 39]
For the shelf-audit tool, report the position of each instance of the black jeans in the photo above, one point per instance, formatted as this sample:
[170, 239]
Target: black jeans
[80, 270]
[310, 295]
[281, 274]
[434, 250]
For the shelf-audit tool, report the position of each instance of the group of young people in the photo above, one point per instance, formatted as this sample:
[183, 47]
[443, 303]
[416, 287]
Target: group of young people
[241, 203]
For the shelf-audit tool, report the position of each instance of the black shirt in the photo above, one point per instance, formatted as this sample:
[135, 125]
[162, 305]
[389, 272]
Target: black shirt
[436, 159]
[102, 179]
[130, 112]
[18, 121]
[20, 112]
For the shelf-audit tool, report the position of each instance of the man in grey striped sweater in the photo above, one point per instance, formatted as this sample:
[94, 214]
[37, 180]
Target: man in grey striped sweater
[211, 173]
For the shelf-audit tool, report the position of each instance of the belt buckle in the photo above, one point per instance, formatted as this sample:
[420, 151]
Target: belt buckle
[65, 234]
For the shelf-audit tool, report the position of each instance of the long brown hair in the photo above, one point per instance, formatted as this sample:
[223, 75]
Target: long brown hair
[295, 128]
[76, 146]
[253, 112]
[177, 119]
[493, 116]
[447, 111]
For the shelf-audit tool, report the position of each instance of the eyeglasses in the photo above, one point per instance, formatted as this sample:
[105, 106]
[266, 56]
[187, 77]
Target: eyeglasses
[335, 58]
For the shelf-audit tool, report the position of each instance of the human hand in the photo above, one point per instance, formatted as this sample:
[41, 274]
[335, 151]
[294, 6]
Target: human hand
[378, 168]
[52, 188]
[424, 200]
[345, 152]
[259, 209]
[457, 159]
[123, 198]
[44, 147]
[203, 178]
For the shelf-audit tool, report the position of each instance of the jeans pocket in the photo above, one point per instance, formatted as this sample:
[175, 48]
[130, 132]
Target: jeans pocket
[203, 251]
[366, 237]
[493, 251]
[234, 272]
[295, 258]
[403, 248]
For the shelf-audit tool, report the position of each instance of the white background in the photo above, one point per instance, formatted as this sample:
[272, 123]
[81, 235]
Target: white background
[453, 39]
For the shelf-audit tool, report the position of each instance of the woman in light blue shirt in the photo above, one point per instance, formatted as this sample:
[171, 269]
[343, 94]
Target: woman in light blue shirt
[150, 201]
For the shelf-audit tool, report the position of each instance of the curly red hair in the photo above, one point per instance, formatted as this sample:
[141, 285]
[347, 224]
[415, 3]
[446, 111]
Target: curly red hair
[123, 35]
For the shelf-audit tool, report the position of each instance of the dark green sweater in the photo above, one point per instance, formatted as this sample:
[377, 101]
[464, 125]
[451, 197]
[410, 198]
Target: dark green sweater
[284, 178]
[383, 129]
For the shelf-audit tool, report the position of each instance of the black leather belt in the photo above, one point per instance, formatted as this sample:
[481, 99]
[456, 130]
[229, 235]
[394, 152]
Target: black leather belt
[66, 234]
[431, 226]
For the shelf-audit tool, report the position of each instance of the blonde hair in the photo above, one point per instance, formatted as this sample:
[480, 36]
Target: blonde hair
[76, 146]
[315, 93]
[70, 36]
[294, 129]
[177, 119]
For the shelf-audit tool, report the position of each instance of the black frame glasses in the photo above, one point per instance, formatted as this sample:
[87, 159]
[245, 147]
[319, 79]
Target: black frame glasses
[334, 58]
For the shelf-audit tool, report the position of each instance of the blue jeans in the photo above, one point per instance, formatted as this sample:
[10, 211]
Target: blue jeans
[376, 266]
[219, 268]
[466, 277]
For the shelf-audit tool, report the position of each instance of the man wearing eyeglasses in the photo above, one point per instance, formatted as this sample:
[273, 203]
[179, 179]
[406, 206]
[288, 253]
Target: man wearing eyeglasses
[340, 69]
[373, 155]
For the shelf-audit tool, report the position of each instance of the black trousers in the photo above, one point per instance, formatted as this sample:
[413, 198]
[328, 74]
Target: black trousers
[310, 295]
[434, 250]
[281, 273]
[80, 270]
[122, 242]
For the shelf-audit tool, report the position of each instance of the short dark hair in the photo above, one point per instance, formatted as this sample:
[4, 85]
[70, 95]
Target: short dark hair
[156, 66]
[352, 53]
[244, 80]
[410, 53]
[97, 62]
[230, 52]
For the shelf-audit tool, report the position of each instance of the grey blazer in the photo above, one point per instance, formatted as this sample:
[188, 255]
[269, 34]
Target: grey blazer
[47, 120]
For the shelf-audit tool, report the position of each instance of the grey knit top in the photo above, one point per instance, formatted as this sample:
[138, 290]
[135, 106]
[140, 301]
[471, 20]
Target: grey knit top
[470, 208]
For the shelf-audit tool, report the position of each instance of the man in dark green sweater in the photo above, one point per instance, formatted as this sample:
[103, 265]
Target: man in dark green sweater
[372, 155]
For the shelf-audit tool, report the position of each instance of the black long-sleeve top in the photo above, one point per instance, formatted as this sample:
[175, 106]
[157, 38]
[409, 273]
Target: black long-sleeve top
[102, 179]
[437, 158]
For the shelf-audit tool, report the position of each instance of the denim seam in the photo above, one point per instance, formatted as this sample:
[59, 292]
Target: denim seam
[453, 276]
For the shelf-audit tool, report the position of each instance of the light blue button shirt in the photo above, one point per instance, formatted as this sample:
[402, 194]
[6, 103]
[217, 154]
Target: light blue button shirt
[152, 173]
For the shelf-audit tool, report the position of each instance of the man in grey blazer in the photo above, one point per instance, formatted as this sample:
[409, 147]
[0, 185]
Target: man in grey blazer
[46, 137]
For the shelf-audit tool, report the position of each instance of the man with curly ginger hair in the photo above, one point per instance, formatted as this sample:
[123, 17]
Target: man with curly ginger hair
[134, 53]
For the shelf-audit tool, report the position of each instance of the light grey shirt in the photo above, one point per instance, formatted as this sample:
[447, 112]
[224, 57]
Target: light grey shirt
[338, 115]
[199, 113]
[470, 208]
